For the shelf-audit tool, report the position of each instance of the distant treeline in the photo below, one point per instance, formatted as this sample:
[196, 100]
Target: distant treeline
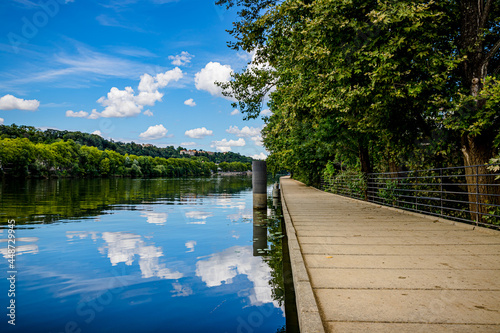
[85, 139]
[20, 157]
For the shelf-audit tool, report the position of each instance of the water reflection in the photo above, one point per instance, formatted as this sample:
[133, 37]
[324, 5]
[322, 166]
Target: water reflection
[143, 259]
[155, 218]
[190, 245]
[123, 247]
[223, 267]
[259, 231]
[198, 216]
[52, 200]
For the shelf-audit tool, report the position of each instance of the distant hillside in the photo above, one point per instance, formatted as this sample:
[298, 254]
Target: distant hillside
[51, 135]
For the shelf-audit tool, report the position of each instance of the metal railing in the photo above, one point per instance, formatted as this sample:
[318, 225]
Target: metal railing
[466, 194]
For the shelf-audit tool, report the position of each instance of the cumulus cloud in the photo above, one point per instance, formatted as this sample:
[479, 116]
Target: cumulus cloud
[257, 140]
[224, 145]
[79, 114]
[211, 73]
[9, 102]
[148, 113]
[260, 156]
[125, 103]
[187, 144]
[234, 112]
[97, 132]
[245, 132]
[198, 133]
[1, 121]
[266, 113]
[190, 102]
[181, 59]
[154, 132]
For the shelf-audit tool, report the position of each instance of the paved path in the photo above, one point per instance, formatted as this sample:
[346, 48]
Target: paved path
[361, 267]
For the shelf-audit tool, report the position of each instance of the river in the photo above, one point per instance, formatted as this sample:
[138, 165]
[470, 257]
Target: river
[139, 255]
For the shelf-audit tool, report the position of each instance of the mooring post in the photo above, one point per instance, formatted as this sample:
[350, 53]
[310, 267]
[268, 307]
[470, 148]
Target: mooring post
[259, 184]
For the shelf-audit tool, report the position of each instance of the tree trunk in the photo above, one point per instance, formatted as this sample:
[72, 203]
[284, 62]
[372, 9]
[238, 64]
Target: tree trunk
[364, 158]
[477, 151]
[366, 167]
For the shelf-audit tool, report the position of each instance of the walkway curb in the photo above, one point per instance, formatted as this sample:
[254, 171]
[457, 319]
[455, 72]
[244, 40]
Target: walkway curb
[307, 308]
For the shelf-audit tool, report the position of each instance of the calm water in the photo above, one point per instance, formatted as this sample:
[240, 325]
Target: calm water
[133, 255]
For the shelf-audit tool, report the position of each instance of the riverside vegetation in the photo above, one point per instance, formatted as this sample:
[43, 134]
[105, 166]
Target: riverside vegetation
[372, 86]
[28, 152]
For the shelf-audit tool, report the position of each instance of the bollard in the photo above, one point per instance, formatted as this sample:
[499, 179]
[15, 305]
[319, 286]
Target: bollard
[259, 184]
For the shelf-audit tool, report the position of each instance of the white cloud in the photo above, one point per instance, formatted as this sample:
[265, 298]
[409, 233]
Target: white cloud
[257, 140]
[154, 132]
[234, 112]
[1, 121]
[181, 59]
[186, 144]
[245, 132]
[124, 103]
[213, 72]
[266, 112]
[94, 114]
[79, 114]
[97, 132]
[224, 145]
[119, 104]
[190, 245]
[260, 156]
[148, 113]
[190, 102]
[198, 133]
[9, 102]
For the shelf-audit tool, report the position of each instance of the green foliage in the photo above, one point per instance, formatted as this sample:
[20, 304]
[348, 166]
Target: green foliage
[22, 158]
[370, 84]
[348, 182]
[51, 136]
[388, 193]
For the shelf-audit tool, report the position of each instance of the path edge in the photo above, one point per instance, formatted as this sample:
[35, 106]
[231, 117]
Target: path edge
[307, 307]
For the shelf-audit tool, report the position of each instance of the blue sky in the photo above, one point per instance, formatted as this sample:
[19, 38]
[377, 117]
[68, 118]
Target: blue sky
[129, 70]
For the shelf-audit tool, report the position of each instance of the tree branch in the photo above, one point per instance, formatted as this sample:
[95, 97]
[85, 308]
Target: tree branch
[492, 51]
[484, 14]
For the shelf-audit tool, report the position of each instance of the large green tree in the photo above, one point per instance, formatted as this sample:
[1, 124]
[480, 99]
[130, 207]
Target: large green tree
[388, 78]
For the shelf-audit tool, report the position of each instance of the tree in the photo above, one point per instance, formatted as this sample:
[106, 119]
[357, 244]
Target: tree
[387, 78]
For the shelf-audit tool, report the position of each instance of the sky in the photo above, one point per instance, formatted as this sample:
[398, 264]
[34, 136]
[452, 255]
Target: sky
[127, 70]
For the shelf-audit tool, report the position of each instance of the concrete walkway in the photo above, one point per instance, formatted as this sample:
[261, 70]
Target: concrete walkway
[361, 267]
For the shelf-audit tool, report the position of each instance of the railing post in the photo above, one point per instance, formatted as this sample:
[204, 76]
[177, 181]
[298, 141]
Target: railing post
[441, 189]
[477, 194]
